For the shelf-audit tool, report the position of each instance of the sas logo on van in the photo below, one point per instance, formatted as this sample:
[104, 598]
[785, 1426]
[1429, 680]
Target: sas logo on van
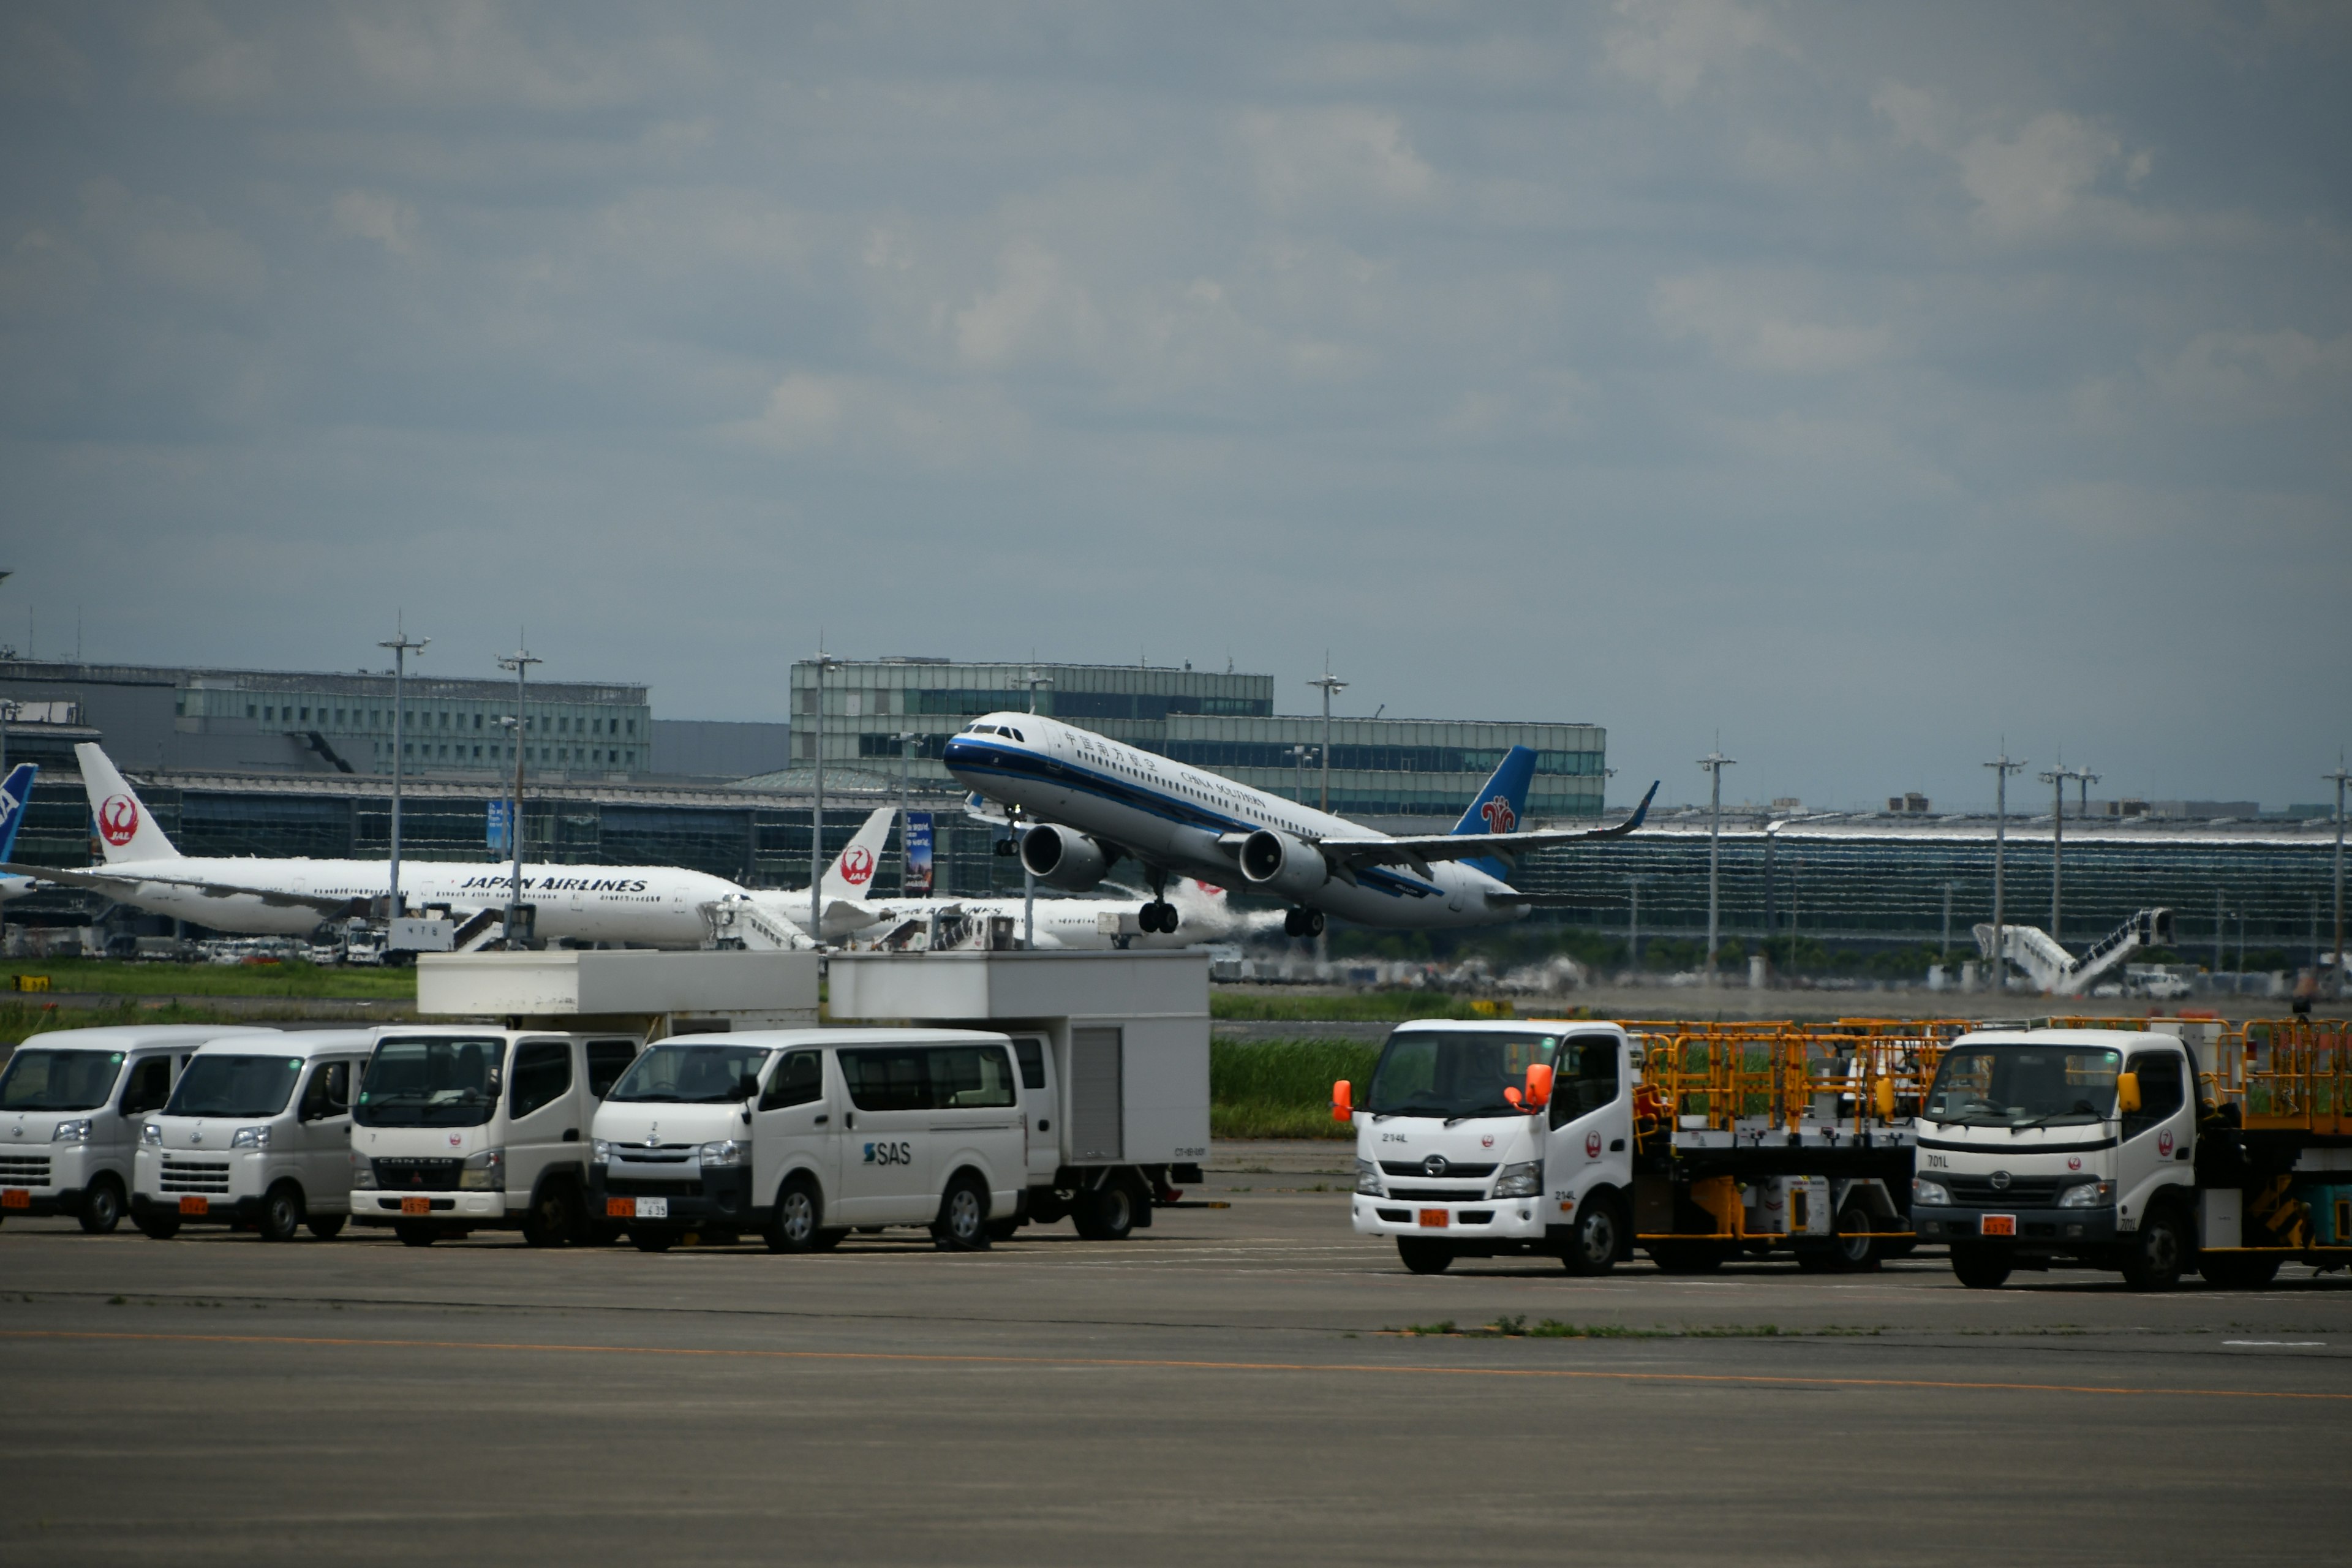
[889, 1153]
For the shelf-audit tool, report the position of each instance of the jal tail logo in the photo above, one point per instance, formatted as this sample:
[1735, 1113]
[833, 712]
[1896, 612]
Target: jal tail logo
[857, 866]
[1500, 817]
[118, 819]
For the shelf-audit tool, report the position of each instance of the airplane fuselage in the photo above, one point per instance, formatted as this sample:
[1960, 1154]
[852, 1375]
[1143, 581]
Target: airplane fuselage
[1183, 820]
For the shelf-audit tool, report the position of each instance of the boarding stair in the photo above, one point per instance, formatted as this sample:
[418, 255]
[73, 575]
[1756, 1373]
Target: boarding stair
[2057, 973]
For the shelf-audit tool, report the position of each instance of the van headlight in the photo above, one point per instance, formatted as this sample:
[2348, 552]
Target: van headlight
[600, 1152]
[1923, 1191]
[726, 1151]
[362, 1172]
[150, 1134]
[74, 1132]
[484, 1173]
[1524, 1180]
[1367, 1180]
[249, 1138]
[2087, 1195]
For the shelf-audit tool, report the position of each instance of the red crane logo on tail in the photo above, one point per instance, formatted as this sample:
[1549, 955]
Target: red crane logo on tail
[118, 819]
[1500, 817]
[857, 866]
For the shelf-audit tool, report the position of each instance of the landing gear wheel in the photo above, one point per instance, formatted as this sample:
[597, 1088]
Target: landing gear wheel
[1980, 1268]
[413, 1234]
[1425, 1257]
[1687, 1256]
[325, 1226]
[281, 1213]
[101, 1206]
[550, 1219]
[1592, 1240]
[962, 1225]
[2154, 1259]
[2237, 1271]
[159, 1225]
[1157, 918]
[1106, 1212]
[798, 1210]
[1302, 922]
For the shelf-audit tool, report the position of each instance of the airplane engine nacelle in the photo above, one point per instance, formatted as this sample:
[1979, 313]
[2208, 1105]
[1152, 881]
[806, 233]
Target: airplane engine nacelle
[1061, 859]
[1283, 865]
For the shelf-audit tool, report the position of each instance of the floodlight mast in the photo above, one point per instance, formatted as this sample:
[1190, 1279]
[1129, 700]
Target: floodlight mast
[401, 648]
[825, 662]
[1034, 678]
[519, 661]
[2002, 767]
[906, 738]
[2056, 779]
[2338, 778]
[1715, 761]
[1331, 685]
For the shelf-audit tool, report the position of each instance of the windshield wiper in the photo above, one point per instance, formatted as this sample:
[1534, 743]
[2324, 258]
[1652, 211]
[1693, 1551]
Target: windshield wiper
[1504, 1109]
[650, 1099]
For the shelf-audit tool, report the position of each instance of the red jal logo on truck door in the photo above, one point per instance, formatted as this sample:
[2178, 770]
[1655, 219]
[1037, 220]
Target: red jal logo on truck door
[2164, 1145]
[1593, 1145]
[118, 819]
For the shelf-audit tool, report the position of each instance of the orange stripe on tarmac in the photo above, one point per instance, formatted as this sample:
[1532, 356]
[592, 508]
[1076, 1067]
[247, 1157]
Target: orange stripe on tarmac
[1143, 1362]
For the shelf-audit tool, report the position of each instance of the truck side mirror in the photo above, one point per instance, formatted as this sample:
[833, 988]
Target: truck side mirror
[1538, 1086]
[1881, 1094]
[2126, 1092]
[1343, 1101]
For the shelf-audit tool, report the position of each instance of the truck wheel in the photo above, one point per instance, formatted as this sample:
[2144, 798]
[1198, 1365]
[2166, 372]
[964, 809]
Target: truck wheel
[2237, 1271]
[1980, 1268]
[161, 1224]
[962, 1225]
[101, 1206]
[1425, 1257]
[794, 1228]
[281, 1213]
[1592, 1240]
[2154, 1259]
[1106, 1212]
[1687, 1256]
[1853, 1251]
[413, 1234]
[549, 1222]
[645, 1238]
[325, 1226]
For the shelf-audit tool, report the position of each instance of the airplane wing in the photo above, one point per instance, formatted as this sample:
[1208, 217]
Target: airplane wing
[327, 905]
[1418, 850]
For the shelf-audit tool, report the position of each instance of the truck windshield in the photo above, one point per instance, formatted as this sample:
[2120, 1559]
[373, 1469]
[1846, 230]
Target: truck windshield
[234, 1086]
[1429, 1072]
[2023, 1086]
[58, 1080]
[431, 1082]
[693, 1074]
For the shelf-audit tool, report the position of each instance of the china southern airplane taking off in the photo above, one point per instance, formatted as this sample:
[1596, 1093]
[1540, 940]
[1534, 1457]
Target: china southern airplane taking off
[15, 793]
[658, 906]
[1091, 799]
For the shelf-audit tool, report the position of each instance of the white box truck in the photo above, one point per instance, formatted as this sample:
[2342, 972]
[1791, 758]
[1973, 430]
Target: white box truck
[1113, 1049]
[257, 1133]
[71, 1104]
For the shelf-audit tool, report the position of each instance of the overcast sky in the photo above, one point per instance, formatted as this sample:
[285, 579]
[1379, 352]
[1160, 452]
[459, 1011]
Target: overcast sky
[1863, 383]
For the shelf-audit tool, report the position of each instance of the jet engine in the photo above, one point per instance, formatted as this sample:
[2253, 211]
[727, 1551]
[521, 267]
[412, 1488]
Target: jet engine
[1061, 859]
[1283, 865]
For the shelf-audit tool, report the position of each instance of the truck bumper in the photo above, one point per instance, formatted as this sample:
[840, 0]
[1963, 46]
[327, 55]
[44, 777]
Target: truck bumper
[471, 1210]
[1469, 1221]
[2057, 1229]
[715, 1200]
[218, 1210]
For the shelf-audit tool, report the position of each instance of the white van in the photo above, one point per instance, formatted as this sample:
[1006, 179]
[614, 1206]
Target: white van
[849, 1129]
[71, 1103]
[672, 1144]
[460, 1128]
[258, 1132]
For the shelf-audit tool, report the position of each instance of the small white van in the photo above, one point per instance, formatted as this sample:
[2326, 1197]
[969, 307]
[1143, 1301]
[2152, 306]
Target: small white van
[71, 1104]
[846, 1129]
[256, 1132]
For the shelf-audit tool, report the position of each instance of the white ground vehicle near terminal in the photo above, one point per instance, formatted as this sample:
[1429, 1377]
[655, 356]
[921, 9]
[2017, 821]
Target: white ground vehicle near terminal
[256, 1132]
[71, 1104]
[805, 1134]
[460, 1128]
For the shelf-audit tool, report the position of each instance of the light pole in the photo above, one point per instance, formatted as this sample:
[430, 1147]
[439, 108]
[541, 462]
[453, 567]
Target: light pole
[906, 742]
[1947, 956]
[519, 661]
[2002, 768]
[401, 648]
[1715, 761]
[2337, 778]
[2056, 779]
[1634, 925]
[825, 662]
[1331, 684]
[1298, 755]
[1034, 678]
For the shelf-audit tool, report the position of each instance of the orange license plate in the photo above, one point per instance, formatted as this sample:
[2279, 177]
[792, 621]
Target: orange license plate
[416, 1206]
[195, 1205]
[1998, 1225]
[16, 1198]
[1435, 1219]
[620, 1208]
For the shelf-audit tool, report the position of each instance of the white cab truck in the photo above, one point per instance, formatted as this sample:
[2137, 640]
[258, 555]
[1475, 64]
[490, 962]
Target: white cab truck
[256, 1134]
[71, 1104]
[806, 1134]
[2148, 1152]
[459, 1128]
[1113, 1052]
[1478, 1139]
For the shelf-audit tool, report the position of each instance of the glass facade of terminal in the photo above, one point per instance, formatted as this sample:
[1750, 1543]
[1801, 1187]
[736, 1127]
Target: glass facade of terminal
[452, 726]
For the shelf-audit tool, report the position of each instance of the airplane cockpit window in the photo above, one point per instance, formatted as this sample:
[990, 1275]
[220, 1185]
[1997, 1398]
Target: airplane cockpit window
[1015, 734]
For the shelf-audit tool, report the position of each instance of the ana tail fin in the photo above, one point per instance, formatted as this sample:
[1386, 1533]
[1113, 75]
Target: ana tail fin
[14, 793]
[851, 875]
[125, 830]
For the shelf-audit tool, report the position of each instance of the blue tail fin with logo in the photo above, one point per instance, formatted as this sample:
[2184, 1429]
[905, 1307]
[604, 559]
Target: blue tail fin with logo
[1500, 804]
[14, 794]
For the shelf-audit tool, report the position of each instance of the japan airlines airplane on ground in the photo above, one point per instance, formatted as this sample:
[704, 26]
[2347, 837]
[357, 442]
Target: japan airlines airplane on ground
[1091, 799]
[15, 794]
[658, 906]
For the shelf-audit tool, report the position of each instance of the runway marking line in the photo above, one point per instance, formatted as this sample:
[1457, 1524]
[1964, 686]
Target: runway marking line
[1147, 1364]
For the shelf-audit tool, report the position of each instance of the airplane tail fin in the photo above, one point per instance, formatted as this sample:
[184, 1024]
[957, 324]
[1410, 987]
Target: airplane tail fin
[14, 793]
[851, 875]
[1499, 804]
[125, 830]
